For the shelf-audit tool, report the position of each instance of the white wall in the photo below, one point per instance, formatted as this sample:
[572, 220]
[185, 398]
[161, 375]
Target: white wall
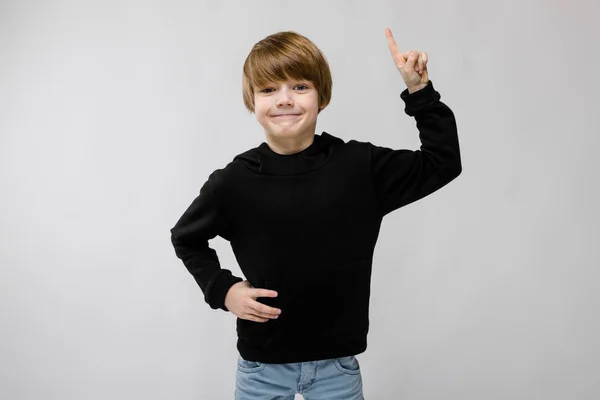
[113, 114]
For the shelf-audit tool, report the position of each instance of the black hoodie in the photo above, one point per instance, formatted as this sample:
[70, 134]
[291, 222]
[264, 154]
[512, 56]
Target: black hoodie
[306, 225]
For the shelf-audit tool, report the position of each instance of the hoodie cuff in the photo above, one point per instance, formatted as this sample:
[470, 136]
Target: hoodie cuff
[419, 100]
[217, 288]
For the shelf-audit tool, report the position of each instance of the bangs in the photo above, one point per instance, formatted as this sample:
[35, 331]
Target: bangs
[279, 67]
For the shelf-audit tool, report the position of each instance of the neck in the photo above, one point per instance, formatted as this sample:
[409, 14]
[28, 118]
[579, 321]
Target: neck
[291, 145]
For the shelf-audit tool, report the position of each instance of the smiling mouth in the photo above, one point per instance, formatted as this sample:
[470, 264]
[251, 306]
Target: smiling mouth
[286, 115]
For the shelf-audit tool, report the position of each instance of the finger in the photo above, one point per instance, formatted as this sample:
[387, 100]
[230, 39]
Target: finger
[262, 316]
[255, 318]
[425, 59]
[418, 63]
[262, 309]
[265, 315]
[401, 60]
[396, 55]
[411, 61]
[263, 293]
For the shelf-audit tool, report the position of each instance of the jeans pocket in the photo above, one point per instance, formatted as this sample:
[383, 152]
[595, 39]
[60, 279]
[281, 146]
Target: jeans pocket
[348, 365]
[250, 366]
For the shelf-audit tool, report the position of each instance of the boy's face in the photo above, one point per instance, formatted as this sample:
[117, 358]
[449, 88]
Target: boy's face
[287, 109]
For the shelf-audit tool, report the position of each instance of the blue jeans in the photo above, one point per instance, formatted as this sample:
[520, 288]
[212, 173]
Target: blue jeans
[332, 379]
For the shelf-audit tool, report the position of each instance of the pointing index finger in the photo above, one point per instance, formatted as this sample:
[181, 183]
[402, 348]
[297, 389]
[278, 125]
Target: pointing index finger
[391, 42]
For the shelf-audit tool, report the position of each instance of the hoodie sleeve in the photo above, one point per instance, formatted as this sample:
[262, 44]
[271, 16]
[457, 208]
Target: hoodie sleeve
[404, 176]
[203, 220]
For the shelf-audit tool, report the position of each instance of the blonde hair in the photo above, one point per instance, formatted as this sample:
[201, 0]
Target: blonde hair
[282, 56]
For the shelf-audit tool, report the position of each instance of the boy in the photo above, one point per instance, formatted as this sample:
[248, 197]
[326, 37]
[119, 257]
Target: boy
[302, 213]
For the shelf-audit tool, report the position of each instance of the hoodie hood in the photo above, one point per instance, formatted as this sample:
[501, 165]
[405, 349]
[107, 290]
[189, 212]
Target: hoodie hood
[265, 161]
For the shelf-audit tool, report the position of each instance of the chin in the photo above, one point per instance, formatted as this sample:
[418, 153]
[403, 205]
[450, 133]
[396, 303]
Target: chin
[285, 134]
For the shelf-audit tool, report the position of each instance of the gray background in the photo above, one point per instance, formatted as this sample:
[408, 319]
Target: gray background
[114, 113]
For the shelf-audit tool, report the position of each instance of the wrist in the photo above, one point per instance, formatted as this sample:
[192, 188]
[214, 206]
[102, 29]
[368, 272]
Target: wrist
[412, 89]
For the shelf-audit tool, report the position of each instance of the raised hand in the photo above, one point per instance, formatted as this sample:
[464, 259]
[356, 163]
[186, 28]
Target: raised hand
[411, 64]
[240, 300]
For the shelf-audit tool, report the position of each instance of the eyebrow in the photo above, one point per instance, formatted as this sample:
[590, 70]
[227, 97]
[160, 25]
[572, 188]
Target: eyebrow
[294, 81]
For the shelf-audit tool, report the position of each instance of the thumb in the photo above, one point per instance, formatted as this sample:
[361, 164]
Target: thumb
[402, 58]
[411, 60]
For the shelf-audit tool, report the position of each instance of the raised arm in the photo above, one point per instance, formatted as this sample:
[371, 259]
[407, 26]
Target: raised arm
[403, 176]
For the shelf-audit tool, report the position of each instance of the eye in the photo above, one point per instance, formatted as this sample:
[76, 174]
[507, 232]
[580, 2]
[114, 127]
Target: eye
[303, 87]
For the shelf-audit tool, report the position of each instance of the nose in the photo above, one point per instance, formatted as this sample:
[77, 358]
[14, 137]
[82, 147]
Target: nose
[284, 98]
